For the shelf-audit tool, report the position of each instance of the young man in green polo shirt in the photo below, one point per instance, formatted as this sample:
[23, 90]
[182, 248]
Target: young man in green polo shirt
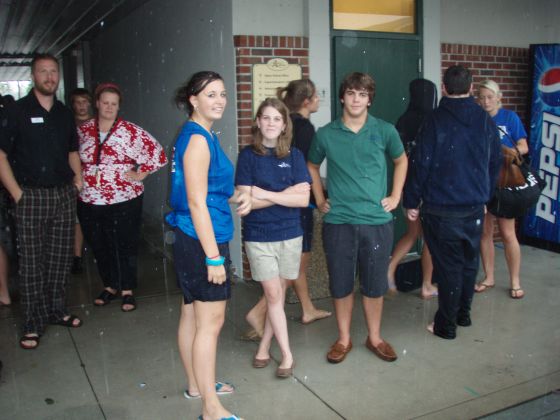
[358, 224]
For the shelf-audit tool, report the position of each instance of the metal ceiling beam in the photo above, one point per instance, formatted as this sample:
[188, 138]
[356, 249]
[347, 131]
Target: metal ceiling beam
[71, 27]
[85, 31]
[51, 26]
[5, 56]
[12, 11]
[15, 64]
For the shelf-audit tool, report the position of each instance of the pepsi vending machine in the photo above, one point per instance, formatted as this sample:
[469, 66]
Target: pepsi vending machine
[543, 222]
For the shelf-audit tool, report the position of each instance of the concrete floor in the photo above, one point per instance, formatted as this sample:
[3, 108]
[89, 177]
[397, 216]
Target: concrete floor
[126, 365]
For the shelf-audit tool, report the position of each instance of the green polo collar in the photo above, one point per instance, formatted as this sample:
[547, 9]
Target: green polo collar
[370, 124]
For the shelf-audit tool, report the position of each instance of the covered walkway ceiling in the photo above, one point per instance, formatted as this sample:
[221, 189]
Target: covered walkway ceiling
[29, 26]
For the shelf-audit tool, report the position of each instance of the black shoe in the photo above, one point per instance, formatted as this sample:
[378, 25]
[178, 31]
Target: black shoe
[77, 267]
[464, 320]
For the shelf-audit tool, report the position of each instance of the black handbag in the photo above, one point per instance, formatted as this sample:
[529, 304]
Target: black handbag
[513, 202]
[408, 276]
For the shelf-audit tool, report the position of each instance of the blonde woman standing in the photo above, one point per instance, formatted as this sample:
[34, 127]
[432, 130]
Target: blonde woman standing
[512, 135]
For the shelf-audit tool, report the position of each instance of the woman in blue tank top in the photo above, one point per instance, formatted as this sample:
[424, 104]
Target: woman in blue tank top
[202, 188]
[512, 135]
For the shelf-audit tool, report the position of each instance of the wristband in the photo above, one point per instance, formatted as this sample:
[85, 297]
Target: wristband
[215, 262]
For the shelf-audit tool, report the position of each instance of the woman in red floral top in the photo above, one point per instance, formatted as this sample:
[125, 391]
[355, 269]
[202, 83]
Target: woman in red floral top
[116, 157]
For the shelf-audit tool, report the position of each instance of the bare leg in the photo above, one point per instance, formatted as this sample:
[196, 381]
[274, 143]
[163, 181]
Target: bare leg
[428, 289]
[4, 291]
[373, 309]
[209, 319]
[185, 338]
[274, 292]
[343, 311]
[263, 351]
[257, 315]
[401, 249]
[309, 312]
[78, 241]
[487, 252]
[512, 250]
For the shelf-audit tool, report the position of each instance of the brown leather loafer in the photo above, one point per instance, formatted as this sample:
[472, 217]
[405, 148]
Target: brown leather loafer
[260, 363]
[338, 352]
[383, 350]
[285, 372]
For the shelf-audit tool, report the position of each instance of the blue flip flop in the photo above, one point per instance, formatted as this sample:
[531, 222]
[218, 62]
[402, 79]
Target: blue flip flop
[219, 391]
[232, 417]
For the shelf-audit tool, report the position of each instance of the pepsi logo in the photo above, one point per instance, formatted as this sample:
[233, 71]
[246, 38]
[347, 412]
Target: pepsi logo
[549, 86]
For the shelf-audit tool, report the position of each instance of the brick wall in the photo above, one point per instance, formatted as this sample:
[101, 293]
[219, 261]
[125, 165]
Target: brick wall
[253, 49]
[507, 66]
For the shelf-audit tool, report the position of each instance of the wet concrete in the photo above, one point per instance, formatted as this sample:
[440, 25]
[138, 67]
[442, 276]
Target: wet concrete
[126, 365]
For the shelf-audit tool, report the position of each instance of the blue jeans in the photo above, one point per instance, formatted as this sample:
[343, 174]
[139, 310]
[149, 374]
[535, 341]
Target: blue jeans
[454, 242]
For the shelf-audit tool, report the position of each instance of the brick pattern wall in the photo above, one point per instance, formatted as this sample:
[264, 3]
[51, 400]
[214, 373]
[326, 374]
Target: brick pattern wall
[253, 49]
[507, 66]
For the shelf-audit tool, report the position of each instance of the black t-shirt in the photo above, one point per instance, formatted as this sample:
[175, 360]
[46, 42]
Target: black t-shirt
[303, 132]
[38, 141]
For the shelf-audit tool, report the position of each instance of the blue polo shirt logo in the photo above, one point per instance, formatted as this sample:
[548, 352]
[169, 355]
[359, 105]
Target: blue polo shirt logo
[284, 165]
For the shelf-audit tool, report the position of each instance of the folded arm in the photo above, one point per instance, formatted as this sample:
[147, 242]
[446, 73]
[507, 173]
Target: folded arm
[294, 196]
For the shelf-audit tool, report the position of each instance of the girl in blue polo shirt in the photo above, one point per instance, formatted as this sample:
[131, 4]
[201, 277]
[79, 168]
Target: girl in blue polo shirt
[512, 135]
[277, 178]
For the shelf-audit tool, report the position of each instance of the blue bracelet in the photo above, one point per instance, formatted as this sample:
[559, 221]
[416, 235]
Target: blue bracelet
[216, 262]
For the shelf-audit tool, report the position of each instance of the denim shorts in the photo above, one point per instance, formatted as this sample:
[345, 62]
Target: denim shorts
[192, 274]
[307, 226]
[362, 250]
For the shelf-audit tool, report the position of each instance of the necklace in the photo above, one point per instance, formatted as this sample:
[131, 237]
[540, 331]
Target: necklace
[99, 147]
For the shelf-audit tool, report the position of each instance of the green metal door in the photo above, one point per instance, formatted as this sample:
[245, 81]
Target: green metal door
[393, 63]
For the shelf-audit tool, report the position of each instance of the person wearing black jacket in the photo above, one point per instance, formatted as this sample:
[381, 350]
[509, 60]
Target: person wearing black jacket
[453, 170]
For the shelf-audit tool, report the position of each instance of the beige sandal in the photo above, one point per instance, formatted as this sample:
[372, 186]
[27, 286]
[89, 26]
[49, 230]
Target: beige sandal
[482, 287]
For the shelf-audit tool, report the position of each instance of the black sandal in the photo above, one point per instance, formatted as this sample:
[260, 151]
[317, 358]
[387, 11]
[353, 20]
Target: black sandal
[128, 300]
[106, 297]
[69, 322]
[29, 338]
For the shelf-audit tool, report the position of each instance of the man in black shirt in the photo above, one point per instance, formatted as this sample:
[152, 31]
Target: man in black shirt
[40, 168]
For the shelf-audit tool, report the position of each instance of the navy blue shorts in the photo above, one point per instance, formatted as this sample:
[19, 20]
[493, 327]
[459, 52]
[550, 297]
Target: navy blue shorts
[192, 275]
[362, 250]
[307, 226]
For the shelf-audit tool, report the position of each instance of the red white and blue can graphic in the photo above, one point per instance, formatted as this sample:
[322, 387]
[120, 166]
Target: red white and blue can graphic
[543, 221]
[549, 87]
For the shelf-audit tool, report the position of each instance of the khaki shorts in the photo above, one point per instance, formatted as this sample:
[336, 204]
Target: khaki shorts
[272, 260]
